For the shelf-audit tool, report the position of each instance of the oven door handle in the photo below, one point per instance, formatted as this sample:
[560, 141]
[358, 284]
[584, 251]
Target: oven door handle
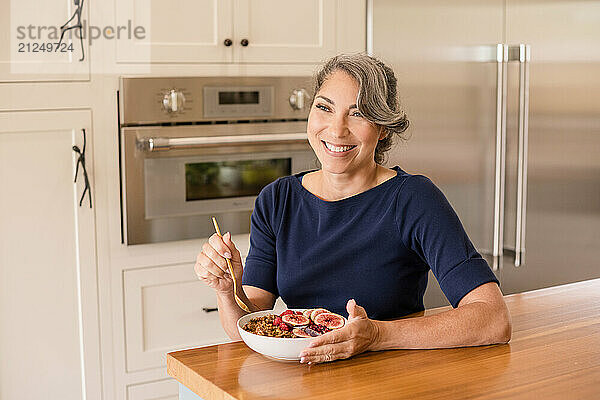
[163, 143]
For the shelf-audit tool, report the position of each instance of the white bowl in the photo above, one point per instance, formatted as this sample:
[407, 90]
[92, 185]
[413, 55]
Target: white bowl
[280, 348]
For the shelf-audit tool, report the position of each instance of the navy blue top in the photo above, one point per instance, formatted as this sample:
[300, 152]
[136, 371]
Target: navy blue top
[375, 247]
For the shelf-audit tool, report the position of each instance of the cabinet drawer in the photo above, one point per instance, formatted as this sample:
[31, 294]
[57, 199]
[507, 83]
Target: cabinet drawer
[161, 390]
[164, 312]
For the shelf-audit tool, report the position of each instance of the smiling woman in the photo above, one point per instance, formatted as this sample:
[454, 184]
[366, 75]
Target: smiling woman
[342, 138]
[354, 118]
[376, 101]
[355, 232]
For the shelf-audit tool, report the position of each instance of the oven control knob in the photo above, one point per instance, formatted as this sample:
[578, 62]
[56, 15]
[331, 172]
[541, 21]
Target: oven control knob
[173, 101]
[298, 99]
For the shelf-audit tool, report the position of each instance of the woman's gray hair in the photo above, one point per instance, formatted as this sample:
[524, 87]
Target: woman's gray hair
[377, 94]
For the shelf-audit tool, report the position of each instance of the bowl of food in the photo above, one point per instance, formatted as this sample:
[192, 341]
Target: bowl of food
[283, 336]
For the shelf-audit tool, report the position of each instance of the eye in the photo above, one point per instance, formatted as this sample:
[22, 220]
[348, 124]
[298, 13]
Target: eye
[322, 107]
[357, 114]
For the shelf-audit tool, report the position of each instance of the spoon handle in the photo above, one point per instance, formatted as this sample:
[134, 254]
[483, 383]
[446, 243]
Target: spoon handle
[239, 301]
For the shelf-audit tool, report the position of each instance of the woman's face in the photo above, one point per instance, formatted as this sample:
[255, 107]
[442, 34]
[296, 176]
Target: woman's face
[342, 139]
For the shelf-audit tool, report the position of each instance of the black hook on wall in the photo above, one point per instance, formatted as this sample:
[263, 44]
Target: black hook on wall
[81, 160]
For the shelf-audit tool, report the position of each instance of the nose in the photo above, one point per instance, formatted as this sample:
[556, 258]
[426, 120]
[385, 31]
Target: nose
[339, 126]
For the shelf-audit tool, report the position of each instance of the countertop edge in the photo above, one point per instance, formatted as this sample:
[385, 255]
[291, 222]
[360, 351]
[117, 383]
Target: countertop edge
[199, 385]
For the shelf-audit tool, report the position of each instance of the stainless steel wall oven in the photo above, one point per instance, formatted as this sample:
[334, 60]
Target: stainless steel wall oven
[196, 147]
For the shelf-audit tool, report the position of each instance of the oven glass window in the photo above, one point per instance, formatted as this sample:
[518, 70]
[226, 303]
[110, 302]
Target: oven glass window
[218, 180]
[238, 97]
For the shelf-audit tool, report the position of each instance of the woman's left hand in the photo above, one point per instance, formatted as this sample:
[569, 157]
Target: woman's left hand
[359, 334]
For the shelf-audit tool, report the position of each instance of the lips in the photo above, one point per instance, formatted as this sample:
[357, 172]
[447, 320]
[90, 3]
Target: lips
[338, 148]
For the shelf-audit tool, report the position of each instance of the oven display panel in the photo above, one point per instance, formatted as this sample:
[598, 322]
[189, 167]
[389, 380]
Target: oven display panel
[238, 97]
[228, 179]
[238, 102]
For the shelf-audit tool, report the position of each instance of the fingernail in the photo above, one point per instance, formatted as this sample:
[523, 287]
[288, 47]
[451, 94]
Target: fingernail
[312, 344]
[227, 254]
[228, 236]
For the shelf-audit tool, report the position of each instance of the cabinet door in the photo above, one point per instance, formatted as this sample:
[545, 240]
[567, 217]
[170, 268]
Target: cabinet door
[284, 31]
[29, 32]
[159, 390]
[167, 308]
[48, 293]
[175, 31]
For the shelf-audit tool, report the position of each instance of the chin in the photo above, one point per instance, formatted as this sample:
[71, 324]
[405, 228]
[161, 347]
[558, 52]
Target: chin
[337, 167]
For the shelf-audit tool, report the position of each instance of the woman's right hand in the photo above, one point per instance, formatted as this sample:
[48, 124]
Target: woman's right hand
[211, 266]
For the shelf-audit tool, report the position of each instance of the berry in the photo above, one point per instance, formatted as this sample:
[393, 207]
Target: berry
[286, 312]
[284, 327]
[277, 321]
[321, 328]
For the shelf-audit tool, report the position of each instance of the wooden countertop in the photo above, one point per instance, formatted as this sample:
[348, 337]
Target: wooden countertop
[554, 354]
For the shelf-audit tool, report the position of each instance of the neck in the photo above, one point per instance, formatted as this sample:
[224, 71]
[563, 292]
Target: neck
[334, 187]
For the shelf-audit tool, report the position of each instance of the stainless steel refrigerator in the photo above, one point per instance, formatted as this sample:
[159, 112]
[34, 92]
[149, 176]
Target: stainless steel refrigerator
[504, 103]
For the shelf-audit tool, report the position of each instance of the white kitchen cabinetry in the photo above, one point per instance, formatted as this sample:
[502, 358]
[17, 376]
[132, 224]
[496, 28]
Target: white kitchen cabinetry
[27, 27]
[284, 31]
[176, 31]
[241, 31]
[160, 390]
[167, 308]
[49, 333]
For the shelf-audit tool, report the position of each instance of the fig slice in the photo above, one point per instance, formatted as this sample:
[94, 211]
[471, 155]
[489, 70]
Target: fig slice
[307, 312]
[295, 320]
[330, 320]
[311, 332]
[316, 312]
[300, 332]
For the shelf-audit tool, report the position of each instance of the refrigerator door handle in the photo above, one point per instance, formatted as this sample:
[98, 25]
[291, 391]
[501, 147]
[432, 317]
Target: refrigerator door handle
[523, 140]
[500, 159]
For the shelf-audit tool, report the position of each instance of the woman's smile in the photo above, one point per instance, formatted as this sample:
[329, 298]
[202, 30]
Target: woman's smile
[337, 150]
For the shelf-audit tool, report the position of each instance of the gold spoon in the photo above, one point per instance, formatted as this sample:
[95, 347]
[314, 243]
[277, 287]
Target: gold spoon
[237, 299]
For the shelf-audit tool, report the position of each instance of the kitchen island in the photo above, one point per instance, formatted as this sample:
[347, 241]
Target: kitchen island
[554, 354]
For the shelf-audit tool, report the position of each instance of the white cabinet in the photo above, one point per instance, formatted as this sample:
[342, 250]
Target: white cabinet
[29, 31]
[49, 333]
[241, 31]
[160, 390]
[175, 31]
[167, 308]
[284, 31]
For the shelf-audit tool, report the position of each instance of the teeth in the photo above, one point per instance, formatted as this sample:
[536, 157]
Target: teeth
[337, 149]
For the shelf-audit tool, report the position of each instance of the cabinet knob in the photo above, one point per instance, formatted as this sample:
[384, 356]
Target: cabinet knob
[227, 42]
[298, 99]
[244, 42]
[211, 309]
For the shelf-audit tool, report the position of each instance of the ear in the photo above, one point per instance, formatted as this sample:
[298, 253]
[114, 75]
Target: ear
[382, 133]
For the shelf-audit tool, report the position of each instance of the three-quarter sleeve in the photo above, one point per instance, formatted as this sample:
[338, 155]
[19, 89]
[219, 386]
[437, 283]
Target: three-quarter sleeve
[430, 227]
[260, 269]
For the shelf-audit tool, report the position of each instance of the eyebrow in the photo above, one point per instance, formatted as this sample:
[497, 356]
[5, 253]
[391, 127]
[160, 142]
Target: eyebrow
[333, 103]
